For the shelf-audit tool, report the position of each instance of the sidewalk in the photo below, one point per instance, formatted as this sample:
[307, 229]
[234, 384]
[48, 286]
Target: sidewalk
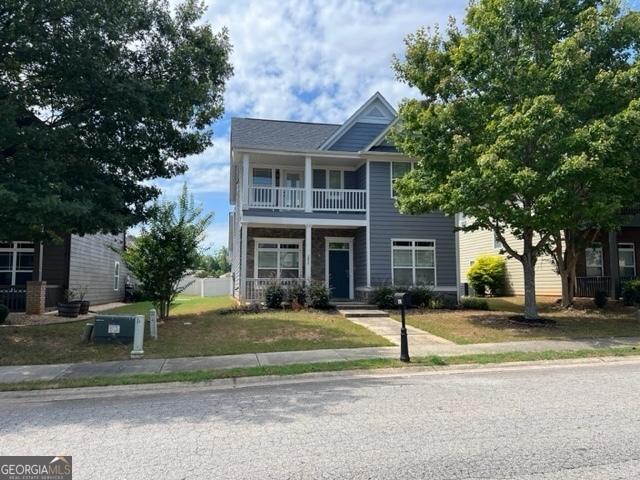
[21, 373]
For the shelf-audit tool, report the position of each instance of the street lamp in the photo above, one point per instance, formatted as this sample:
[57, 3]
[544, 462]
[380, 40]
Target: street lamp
[402, 299]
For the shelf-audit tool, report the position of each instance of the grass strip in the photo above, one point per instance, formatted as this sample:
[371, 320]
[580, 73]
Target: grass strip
[297, 369]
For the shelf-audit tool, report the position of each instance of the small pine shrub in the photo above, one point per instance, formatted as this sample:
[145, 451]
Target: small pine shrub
[488, 274]
[273, 296]
[600, 299]
[474, 303]
[420, 296]
[297, 294]
[318, 295]
[631, 292]
[383, 297]
[4, 313]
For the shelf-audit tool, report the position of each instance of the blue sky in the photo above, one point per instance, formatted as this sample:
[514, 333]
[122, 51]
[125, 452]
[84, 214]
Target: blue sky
[303, 60]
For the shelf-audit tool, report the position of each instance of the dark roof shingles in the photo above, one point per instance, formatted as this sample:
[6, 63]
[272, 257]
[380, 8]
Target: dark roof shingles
[276, 134]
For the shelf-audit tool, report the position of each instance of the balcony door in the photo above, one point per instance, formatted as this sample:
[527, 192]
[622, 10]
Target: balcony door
[293, 183]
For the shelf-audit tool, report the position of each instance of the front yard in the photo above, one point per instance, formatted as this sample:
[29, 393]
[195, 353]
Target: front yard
[474, 326]
[198, 326]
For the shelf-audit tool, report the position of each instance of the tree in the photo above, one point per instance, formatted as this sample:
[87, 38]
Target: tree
[505, 133]
[97, 98]
[167, 248]
[214, 265]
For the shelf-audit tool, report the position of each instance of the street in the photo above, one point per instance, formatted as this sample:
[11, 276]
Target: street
[566, 421]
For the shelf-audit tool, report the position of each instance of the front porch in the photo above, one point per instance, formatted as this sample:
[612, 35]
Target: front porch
[608, 263]
[303, 254]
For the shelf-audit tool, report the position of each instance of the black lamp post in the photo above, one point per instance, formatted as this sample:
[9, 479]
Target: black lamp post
[402, 300]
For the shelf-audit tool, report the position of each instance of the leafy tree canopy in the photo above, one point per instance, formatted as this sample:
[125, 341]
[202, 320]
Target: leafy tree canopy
[96, 98]
[214, 265]
[531, 113]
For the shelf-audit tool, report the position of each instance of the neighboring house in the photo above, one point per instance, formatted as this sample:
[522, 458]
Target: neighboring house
[314, 202]
[90, 262]
[605, 265]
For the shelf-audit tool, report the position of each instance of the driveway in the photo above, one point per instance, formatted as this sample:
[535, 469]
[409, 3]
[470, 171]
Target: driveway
[566, 421]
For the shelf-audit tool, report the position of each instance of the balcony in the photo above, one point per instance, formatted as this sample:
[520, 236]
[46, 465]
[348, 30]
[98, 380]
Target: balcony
[321, 199]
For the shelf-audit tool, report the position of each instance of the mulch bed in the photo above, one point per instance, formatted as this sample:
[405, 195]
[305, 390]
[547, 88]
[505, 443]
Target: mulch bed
[24, 320]
[538, 322]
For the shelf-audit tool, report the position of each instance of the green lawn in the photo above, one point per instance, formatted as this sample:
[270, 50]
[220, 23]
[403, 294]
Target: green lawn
[197, 327]
[472, 326]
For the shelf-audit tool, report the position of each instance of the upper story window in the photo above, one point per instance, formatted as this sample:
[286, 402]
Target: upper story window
[398, 170]
[262, 177]
[116, 276]
[593, 257]
[627, 260]
[413, 262]
[278, 258]
[16, 263]
[335, 179]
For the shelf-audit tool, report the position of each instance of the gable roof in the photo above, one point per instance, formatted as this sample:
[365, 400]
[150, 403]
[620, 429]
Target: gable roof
[279, 134]
[376, 110]
[381, 143]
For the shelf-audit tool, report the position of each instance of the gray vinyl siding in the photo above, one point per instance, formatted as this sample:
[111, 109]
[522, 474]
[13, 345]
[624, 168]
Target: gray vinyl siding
[350, 180]
[92, 264]
[387, 223]
[361, 177]
[360, 257]
[54, 263]
[358, 137]
[257, 212]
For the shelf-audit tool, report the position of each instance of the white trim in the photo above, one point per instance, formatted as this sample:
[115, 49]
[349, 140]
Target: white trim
[352, 119]
[368, 226]
[302, 152]
[243, 258]
[628, 246]
[308, 184]
[327, 241]
[319, 222]
[116, 276]
[413, 249]
[245, 180]
[381, 136]
[257, 240]
[14, 250]
[456, 234]
[327, 176]
[595, 246]
[307, 253]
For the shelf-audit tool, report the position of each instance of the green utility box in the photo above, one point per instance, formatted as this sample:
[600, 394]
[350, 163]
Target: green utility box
[114, 328]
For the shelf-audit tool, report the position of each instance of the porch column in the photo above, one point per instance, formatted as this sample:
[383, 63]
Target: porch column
[307, 254]
[243, 261]
[245, 181]
[308, 185]
[614, 272]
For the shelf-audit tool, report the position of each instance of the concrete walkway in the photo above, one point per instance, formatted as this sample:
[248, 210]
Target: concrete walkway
[12, 374]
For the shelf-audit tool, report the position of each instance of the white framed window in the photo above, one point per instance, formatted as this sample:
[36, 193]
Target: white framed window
[278, 258]
[262, 177]
[16, 263]
[627, 260]
[116, 276]
[594, 261]
[335, 179]
[399, 170]
[413, 262]
[497, 244]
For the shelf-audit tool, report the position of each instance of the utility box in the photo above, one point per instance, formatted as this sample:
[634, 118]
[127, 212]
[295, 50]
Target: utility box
[114, 328]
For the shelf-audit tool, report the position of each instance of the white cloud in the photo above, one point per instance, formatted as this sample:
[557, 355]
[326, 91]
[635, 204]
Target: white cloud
[217, 236]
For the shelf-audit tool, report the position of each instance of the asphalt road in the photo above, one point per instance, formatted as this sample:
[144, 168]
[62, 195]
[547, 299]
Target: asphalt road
[560, 422]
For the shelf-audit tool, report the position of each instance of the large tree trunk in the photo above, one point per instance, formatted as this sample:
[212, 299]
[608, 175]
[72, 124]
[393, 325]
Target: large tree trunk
[529, 259]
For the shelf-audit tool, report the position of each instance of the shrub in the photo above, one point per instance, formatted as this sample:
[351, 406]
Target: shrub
[600, 299]
[297, 294]
[474, 303]
[4, 313]
[318, 295]
[273, 296]
[443, 301]
[631, 292]
[488, 272]
[420, 296]
[383, 297]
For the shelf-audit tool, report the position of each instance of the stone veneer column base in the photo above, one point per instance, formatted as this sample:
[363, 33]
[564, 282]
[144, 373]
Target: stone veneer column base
[36, 293]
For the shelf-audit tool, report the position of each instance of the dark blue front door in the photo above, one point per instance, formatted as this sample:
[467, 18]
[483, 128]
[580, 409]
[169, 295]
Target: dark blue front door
[339, 273]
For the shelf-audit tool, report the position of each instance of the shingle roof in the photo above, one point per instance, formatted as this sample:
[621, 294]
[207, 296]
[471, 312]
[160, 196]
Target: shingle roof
[258, 133]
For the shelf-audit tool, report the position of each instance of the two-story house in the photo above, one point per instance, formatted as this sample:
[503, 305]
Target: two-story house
[315, 202]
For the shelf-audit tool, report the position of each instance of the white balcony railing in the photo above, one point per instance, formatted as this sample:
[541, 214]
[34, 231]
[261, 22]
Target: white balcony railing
[255, 287]
[276, 197]
[339, 200]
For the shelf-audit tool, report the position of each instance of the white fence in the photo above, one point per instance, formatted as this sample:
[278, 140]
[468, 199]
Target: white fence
[207, 287]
